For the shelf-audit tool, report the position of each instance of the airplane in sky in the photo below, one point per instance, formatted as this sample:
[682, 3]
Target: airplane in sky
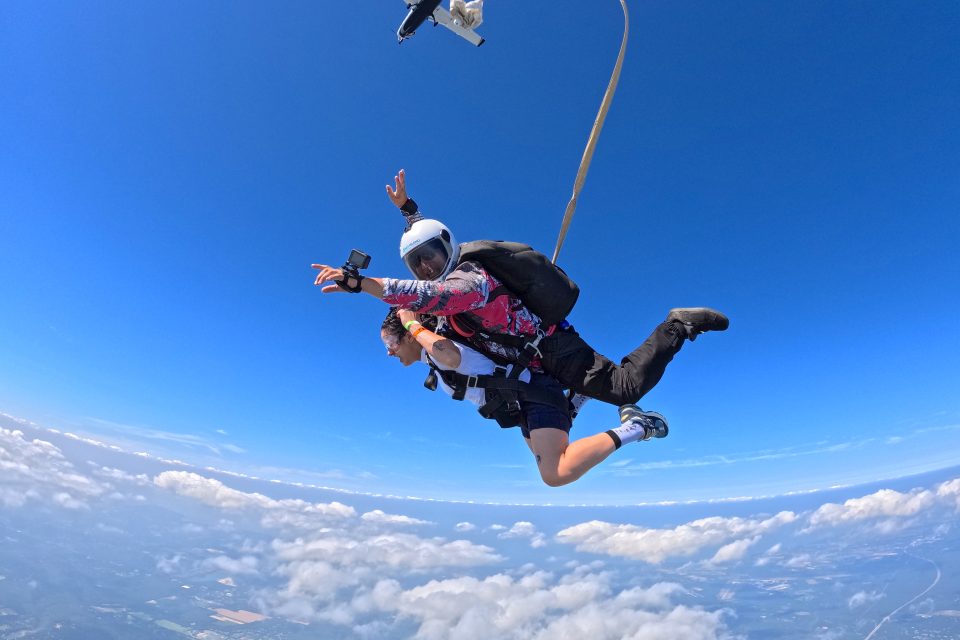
[420, 11]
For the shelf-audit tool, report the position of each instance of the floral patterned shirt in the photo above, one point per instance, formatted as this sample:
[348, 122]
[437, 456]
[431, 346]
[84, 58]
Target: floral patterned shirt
[467, 290]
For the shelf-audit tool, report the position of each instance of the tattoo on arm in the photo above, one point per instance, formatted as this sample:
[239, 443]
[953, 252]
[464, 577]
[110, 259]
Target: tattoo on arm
[446, 352]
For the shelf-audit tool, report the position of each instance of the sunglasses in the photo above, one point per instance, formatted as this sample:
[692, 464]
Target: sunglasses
[392, 343]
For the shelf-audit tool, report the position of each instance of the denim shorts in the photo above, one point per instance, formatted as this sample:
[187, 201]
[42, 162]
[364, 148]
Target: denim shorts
[536, 415]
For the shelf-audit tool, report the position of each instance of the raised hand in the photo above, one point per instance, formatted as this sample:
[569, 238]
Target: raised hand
[398, 196]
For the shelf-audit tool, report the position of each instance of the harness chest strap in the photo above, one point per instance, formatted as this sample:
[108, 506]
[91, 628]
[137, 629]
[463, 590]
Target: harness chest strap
[467, 331]
[503, 402]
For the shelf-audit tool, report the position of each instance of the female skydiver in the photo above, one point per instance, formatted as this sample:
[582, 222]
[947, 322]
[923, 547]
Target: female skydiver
[544, 417]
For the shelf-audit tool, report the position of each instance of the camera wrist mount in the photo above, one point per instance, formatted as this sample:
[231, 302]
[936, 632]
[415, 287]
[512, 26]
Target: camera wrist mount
[352, 279]
[351, 276]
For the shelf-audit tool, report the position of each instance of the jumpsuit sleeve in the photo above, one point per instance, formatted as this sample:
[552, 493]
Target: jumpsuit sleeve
[465, 289]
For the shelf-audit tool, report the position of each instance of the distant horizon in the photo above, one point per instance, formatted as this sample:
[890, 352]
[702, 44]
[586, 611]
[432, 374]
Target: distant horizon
[465, 501]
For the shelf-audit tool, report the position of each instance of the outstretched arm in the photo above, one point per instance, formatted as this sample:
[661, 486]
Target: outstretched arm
[465, 289]
[373, 286]
[436, 298]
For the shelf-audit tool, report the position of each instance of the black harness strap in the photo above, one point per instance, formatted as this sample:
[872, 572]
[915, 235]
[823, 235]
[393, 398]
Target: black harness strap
[503, 392]
[502, 402]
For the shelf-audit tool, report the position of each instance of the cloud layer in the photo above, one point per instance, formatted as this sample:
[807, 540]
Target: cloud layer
[656, 545]
[383, 574]
[887, 504]
[362, 571]
[537, 606]
[36, 470]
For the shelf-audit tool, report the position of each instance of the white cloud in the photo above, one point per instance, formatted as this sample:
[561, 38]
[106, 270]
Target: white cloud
[883, 503]
[319, 569]
[799, 561]
[37, 470]
[465, 526]
[379, 517]
[340, 552]
[171, 564]
[520, 529]
[733, 551]
[110, 473]
[67, 501]
[215, 493]
[862, 597]
[400, 551]
[525, 530]
[533, 606]
[768, 555]
[656, 545]
[244, 565]
[950, 491]
[892, 525]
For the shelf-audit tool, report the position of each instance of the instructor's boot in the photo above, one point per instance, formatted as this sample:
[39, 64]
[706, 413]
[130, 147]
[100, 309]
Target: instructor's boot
[696, 320]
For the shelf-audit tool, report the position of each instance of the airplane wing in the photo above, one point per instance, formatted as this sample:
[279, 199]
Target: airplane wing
[442, 16]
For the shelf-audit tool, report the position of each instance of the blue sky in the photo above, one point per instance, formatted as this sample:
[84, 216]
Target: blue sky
[168, 173]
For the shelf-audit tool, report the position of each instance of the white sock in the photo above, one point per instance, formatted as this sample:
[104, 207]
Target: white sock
[626, 433]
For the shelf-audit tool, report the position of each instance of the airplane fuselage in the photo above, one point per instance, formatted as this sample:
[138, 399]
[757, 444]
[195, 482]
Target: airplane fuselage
[418, 14]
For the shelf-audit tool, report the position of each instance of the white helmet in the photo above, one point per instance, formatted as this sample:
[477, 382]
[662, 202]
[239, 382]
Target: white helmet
[425, 238]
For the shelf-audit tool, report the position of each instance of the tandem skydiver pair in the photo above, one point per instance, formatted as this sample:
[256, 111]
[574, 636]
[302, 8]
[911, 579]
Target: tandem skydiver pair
[497, 314]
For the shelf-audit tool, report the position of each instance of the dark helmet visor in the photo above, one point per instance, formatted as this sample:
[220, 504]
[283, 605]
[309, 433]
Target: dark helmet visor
[432, 253]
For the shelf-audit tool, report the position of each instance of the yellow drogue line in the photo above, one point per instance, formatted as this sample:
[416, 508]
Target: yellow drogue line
[594, 135]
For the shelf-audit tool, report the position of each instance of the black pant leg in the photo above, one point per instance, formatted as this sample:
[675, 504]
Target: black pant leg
[568, 358]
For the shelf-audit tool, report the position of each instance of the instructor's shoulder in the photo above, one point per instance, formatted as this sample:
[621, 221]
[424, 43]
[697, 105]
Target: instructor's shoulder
[469, 268]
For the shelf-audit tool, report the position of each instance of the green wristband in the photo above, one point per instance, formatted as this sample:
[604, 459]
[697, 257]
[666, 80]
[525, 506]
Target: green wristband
[406, 325]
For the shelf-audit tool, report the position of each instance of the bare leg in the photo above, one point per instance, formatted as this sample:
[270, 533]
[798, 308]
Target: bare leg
[560, 461]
